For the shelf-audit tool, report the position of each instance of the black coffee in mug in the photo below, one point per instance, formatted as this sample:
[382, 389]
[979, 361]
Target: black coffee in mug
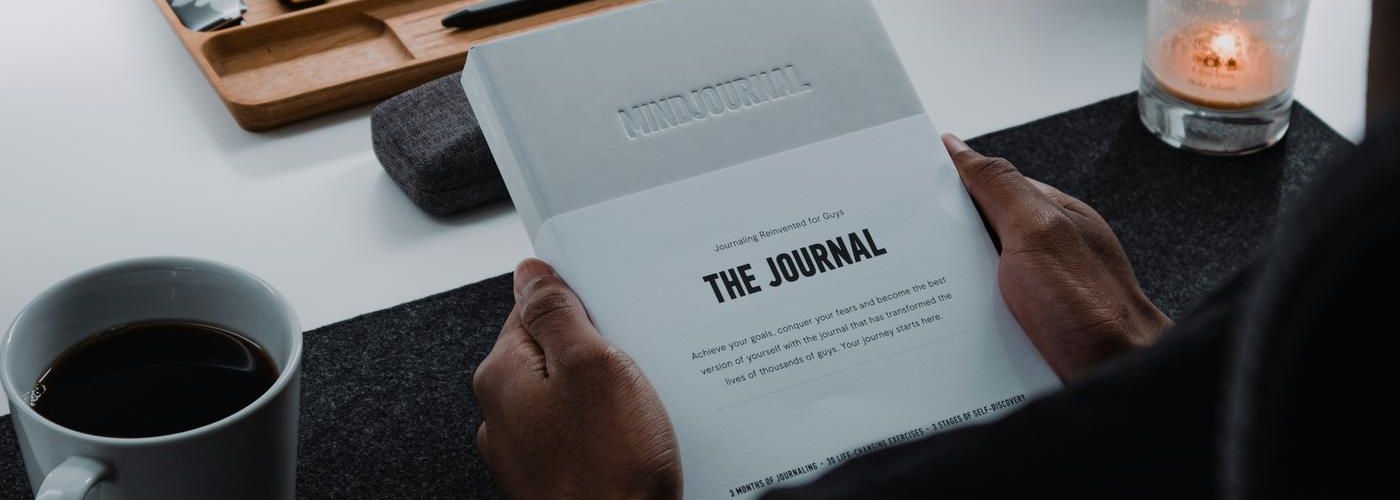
[152, 379]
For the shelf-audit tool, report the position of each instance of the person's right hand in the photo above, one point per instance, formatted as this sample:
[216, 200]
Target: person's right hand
[1063, 273]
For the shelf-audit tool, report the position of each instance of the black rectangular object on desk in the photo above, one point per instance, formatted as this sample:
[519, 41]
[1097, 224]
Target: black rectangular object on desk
[387, 407]
[475, 15]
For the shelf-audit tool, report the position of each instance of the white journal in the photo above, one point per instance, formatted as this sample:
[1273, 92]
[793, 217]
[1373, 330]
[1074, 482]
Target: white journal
[752, 202]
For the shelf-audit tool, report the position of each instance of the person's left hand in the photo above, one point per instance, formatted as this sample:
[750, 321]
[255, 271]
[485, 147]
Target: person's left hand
[567, 414]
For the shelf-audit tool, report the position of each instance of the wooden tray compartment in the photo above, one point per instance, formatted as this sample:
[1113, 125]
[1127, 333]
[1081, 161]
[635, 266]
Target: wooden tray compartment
[286, 65]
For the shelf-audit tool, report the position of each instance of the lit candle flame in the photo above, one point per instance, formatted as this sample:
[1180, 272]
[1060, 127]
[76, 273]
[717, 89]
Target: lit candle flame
[1226, 45]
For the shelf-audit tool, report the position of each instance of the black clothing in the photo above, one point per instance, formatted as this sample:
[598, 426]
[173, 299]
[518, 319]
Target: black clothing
[1266, 390]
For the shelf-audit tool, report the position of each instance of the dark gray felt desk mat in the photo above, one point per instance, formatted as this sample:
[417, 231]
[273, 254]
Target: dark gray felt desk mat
[387, 404]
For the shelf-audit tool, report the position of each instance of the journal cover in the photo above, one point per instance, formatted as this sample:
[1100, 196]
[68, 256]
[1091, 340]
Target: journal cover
[751, 201]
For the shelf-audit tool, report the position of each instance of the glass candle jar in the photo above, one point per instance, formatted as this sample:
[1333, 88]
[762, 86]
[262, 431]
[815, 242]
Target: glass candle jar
[1218, 75]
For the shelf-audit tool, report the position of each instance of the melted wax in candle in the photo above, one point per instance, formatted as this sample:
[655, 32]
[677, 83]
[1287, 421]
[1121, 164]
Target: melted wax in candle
[1218, 67]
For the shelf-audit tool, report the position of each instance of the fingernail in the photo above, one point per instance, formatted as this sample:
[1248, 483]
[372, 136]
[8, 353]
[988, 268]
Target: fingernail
[954, 144]
[529, 270]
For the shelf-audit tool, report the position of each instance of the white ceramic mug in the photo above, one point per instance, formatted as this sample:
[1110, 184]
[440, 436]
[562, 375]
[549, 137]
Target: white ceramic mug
[250, 454]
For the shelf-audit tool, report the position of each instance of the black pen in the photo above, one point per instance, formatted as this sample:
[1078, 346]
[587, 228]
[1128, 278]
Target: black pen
[488, 12]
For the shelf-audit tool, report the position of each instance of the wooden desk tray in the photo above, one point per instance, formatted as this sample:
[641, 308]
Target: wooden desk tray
[286, 65]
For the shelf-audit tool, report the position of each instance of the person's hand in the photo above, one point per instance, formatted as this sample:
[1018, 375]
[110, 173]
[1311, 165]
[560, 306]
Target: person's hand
[1062, 271]
[567, 414]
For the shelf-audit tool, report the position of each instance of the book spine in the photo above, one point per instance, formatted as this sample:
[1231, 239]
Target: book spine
[495, 127]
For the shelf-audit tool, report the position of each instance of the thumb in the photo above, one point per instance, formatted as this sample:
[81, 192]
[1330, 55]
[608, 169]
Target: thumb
[1008, 199]
[551, 312]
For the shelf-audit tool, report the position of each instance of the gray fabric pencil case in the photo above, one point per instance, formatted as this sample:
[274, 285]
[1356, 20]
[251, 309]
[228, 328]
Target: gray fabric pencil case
[429, 143]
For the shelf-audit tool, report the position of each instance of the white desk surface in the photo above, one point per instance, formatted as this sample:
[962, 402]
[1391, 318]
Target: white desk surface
[112, 144]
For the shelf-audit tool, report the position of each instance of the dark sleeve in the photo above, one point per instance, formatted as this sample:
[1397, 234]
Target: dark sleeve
[1143, 427]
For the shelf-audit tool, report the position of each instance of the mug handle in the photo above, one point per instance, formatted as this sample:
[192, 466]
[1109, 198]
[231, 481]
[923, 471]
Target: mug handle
[72, 479]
